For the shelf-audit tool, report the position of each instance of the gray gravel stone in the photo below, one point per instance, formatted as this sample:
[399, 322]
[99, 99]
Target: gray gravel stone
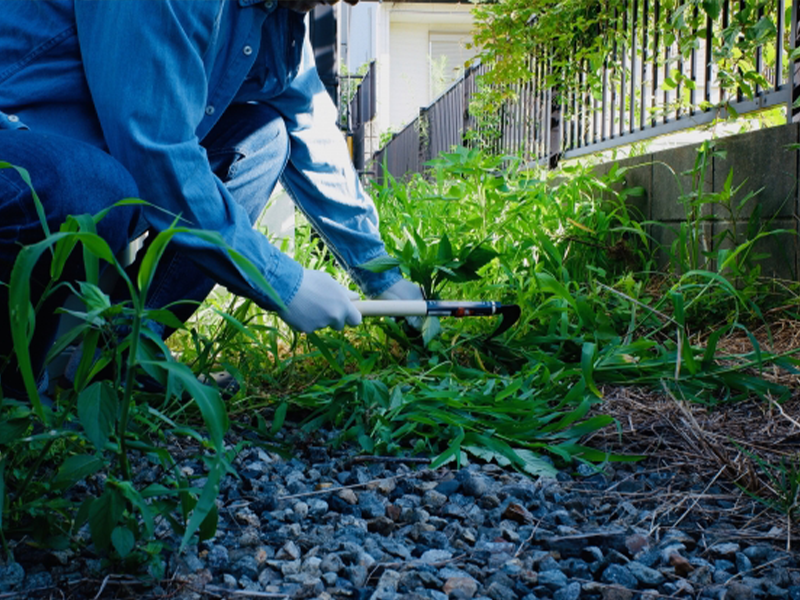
[727, 549]
[38, 581]
[371, 505]
[436, 556]
[289, 551]
[759, 553]
[311, 565]
[475, 485]
[498, 591]
[387, 586]
[619, 575]
[553, 579]
[218, 557]
[290, 567]
[419, 535]
[357, 574]
[570, 592]
[645, 575]
[743, 563]
[460, 587]
[434, 499]
[11, 576]
[317, 508]
[739, 591]
[331, 563]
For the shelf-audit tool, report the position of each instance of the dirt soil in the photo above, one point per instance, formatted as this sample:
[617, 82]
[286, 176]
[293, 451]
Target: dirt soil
[747, 448]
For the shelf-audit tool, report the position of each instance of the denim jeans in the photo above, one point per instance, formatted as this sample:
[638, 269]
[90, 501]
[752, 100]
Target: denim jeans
[248, 149]
[70, 178]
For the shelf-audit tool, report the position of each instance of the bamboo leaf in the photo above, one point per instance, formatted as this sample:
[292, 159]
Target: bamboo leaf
[279, 417]
[325, 351]
[588, 353]
[206, 503]
[207, 399]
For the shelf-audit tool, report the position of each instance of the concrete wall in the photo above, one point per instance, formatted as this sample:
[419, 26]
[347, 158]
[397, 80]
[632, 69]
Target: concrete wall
[762, 162]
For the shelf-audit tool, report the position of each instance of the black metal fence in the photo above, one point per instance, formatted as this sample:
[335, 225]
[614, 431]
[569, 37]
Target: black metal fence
[360, 111]
[645, 88]
[440, 126]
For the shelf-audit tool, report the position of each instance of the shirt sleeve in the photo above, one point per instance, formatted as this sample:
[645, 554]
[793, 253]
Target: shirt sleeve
[321, 178]
[147, 66]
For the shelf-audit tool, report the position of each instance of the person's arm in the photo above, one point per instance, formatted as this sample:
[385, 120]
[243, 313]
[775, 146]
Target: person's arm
[323, 182]
[147, 66]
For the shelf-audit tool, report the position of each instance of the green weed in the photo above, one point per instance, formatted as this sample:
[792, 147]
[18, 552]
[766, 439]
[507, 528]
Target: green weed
[87, 436]
[566, 247]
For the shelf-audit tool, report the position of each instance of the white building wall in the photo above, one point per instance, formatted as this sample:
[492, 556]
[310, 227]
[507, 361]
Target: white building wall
[399, 38]
[409, 83]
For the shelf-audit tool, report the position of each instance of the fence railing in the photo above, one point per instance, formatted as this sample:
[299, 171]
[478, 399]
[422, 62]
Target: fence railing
[645, 88]
[360, 111]
[440, 126]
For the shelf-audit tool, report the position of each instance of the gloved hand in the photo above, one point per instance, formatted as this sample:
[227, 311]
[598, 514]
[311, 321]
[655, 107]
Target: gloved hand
[321, 302]
[405, 290]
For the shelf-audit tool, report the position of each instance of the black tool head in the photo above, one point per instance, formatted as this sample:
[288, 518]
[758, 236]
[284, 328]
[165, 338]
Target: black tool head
[511, 314]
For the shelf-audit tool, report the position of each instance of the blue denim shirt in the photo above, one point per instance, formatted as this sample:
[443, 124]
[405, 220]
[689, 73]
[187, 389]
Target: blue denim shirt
[147, 80]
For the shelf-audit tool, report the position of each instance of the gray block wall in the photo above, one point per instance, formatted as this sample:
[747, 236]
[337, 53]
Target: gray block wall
[762, 162]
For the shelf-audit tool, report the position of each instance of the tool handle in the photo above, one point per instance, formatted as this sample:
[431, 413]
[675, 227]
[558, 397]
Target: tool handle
[391, 308]
[422, 308]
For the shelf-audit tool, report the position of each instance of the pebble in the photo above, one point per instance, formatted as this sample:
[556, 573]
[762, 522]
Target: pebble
[481, 533]
[11, 576]
[570, 592]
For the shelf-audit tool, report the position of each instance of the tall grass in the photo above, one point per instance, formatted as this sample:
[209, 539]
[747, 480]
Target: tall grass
[94, 426]
[566, 247]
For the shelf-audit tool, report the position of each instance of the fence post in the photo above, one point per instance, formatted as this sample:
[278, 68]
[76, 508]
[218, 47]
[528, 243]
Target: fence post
[424, 131]
[556, 127]
[794, 68]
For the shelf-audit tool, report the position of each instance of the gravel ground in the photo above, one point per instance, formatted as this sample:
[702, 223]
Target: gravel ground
[330, 524]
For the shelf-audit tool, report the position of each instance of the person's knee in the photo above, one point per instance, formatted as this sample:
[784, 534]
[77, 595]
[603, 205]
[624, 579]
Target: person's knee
[69, 176]
[94, 189]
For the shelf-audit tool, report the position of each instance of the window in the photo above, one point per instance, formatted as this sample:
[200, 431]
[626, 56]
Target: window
[447, 54]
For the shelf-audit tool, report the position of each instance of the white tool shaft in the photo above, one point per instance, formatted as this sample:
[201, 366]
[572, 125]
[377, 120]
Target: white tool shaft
[391, 308]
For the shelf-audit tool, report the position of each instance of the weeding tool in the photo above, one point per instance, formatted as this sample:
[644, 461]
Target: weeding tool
[441, 308]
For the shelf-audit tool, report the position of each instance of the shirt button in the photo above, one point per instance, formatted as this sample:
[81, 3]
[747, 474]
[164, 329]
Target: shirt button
[13, 118]
[209, 110]
[247, 50]
[269, 4]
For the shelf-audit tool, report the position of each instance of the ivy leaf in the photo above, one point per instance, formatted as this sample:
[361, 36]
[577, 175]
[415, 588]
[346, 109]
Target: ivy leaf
[712, 8]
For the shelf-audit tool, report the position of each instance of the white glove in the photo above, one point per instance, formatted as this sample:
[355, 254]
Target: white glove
[405, 290]
[321, 302]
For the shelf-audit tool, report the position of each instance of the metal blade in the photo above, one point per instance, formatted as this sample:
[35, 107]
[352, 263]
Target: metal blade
[511, 314]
